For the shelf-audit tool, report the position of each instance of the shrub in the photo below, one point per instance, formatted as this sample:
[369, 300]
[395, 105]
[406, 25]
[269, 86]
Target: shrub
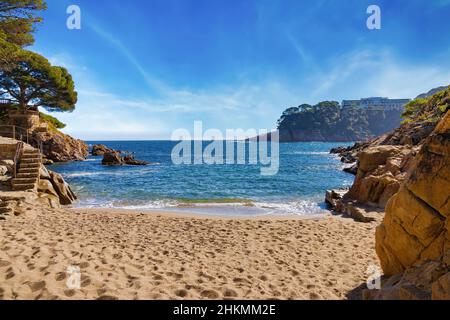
[52, 121]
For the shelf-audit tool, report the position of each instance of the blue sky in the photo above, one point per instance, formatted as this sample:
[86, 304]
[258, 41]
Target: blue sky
[146, 68]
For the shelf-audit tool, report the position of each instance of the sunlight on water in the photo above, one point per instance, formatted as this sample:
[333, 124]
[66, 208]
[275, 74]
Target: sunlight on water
[306, 171]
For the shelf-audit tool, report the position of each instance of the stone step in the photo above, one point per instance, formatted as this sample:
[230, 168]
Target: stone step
[23, 187]
[29, 165]
[30, 160]
[34, 170]
[31, 151]
[31, 156]
[23, 180]
[33, 174]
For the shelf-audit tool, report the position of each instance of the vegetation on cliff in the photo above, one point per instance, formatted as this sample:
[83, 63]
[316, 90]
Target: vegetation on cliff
[429, 108]
[53, 123]
[327, 121]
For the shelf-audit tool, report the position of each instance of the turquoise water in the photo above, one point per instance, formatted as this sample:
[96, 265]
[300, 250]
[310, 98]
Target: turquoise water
[306, 170]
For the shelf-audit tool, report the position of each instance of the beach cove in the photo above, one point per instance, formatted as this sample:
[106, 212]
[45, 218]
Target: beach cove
[159, 255]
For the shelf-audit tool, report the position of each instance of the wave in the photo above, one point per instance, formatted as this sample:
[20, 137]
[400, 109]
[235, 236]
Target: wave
[88, 174]
[307, 153]
[296, 207]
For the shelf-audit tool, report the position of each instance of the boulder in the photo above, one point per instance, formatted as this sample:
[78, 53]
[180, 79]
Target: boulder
[371, 158]
[3, 170]
[44, 173]
[353, 169]
[130, 160]
[337, 201]
[9, 164]
[380, 173]
[112, 158]
[424, 282]
[100, 150]
[60, 187]
[47, 191]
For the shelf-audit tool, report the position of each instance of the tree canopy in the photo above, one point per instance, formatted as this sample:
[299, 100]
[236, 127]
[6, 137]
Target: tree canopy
[18, 19]
[329, 120]
[31, 82]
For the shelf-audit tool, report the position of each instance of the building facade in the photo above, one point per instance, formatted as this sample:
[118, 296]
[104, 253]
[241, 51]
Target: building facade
[376, 102]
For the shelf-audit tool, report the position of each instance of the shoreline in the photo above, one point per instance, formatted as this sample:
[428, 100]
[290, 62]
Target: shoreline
[182, 213]
[166, 255]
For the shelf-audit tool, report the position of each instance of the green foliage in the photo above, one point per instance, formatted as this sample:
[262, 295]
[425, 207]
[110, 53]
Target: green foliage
[429, 109]
[31, 82]
[8, 53]
[414, 108]
[443, 108]
[328, 119]
[52, 121]
[18, 19]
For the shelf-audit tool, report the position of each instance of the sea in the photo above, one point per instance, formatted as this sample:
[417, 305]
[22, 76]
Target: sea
[306, 171]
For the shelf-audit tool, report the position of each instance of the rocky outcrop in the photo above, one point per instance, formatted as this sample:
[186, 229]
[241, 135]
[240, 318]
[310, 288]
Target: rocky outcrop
[100, 150]
[338, 202]
[130, 160]
[114, 158]
[380, 173]
[53, 188]
[59, 147]
[416, 227]
[430, 280]
[51, 191]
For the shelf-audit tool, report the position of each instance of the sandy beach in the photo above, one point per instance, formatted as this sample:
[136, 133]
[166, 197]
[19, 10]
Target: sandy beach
[136, 255]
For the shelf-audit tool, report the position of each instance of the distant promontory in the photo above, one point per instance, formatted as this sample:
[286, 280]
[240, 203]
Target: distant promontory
[351, 120]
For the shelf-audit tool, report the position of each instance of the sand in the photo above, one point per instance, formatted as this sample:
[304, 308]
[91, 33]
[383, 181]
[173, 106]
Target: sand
[133, 255]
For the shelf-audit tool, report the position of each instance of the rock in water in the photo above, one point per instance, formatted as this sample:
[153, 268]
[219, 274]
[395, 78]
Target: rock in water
[129, 159]
[112, 158]
[100, 150]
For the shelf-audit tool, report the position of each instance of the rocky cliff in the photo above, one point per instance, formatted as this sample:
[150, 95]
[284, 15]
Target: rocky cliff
[43, 130]
[413, 242]
[328, 121]
[60, 147]
[383, 164]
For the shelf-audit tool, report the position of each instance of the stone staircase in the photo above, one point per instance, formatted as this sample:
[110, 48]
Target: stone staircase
[28, 172]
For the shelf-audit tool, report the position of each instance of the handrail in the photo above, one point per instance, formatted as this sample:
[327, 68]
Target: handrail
[18, 133]
[23, 136]
[17, 156]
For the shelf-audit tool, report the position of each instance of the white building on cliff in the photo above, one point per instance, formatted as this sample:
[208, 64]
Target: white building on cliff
[376, 102]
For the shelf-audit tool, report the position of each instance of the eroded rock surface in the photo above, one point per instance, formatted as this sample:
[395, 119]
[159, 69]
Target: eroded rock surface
[413, 242]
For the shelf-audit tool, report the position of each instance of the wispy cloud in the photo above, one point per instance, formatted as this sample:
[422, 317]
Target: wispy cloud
[378, 72]
[153, 83]
[102, 114]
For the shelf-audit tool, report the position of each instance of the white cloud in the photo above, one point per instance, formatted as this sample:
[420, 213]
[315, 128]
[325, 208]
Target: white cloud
[101, 114]
[378, 73]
